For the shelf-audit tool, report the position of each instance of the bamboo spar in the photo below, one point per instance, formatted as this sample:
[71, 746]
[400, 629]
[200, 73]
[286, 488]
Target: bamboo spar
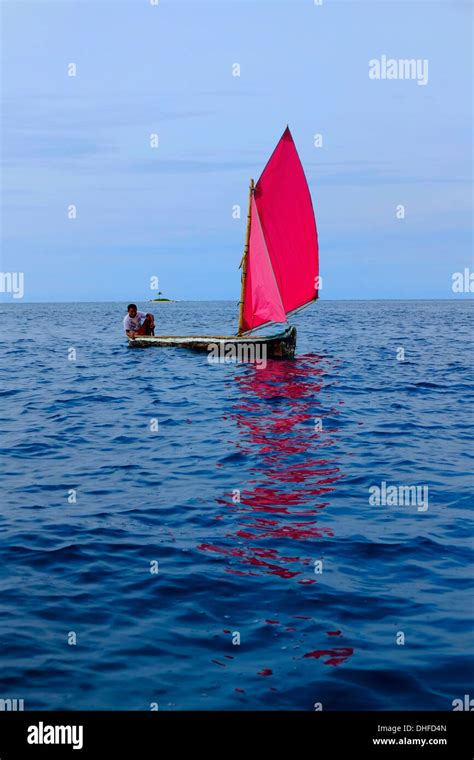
[243, 263]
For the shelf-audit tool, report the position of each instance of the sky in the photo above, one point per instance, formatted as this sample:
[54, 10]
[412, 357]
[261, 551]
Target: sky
[167, 212]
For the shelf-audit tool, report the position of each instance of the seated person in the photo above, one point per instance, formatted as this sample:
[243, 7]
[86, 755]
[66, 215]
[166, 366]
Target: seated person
[138, 323]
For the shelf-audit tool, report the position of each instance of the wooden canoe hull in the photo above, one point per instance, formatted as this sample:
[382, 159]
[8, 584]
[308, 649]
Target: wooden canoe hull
[281, 346]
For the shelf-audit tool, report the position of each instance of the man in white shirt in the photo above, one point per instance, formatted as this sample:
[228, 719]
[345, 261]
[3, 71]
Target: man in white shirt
[138, 322]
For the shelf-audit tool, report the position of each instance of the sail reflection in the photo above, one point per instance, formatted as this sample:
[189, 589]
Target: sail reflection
[275, 519]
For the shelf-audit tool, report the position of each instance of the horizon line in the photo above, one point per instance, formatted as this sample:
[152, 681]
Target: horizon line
[17, 302]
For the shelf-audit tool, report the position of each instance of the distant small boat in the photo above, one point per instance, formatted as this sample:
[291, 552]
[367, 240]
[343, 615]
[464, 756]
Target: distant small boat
[279, 264]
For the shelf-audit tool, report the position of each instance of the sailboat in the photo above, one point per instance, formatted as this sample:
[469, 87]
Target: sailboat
[280, 269]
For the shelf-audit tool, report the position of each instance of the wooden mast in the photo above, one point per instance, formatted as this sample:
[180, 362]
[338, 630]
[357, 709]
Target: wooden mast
[243, 262]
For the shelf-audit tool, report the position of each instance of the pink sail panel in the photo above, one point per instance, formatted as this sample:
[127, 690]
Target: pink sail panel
[262, 302]
[286, 213]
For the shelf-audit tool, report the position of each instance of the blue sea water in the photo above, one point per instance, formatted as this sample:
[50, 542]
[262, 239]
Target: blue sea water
[253, 476]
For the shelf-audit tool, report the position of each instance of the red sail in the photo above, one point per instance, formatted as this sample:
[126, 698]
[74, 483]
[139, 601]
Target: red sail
[262, 302]
[286, 214]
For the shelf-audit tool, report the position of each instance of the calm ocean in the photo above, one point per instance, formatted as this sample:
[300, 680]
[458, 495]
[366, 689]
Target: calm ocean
[231, 559]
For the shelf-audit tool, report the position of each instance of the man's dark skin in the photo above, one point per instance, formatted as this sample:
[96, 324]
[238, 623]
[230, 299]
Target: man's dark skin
[148, 326]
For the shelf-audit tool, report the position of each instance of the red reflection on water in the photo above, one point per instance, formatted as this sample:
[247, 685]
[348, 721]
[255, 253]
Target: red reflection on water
[285, 475]
[336, 656]
[285, 481]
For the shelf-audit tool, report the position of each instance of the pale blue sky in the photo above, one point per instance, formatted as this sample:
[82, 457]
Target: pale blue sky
[167, 69]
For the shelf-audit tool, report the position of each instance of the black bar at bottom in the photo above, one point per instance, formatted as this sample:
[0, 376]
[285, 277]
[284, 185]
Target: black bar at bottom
[150, 734]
